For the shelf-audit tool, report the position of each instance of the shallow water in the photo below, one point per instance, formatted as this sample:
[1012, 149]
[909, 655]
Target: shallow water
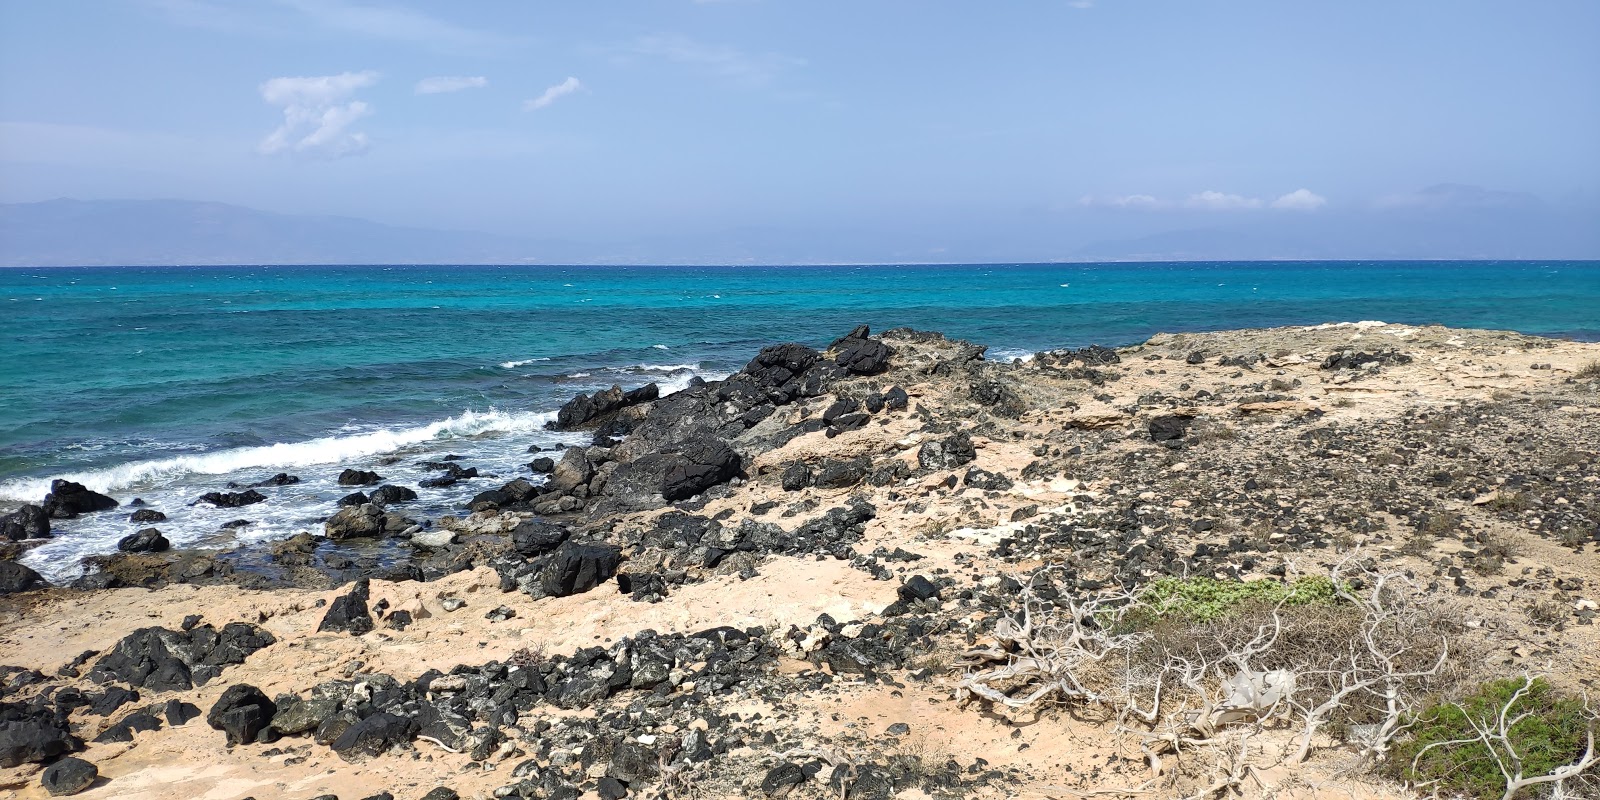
[165, 383]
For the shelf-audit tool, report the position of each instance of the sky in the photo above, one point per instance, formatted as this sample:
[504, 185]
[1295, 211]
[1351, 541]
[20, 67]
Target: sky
[912, 127]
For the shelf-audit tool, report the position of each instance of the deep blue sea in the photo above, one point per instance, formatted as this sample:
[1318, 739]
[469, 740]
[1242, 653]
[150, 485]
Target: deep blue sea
[167, 382]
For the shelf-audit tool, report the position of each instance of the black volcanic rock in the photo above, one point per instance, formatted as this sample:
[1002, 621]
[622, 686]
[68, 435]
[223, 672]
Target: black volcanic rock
[242, 713]
[348, 612]
[15, 578]
[69, 776]
[710, 462]
[148, 540]
[585, 410]
[576, 568]
[358, 477]
[28, 522]
[67, 500]
[145, 515]
[232, 499]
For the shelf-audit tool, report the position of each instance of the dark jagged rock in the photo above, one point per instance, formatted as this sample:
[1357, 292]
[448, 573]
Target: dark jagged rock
[896, 399]
[69, 776]
[164, 660]
[389, 493]
[918, 587]
[145, 515]
[123, 729]
[232, 499]
[585, 410]
[348, 612]
[796, 476]
[776, 365]
[359, 477]
[373, 736]
[32, 737]
[984, 479]
[710, 462]
[1345, 359]
[115, 697]
[864, 356]
[67, 500]
[782, 779]
[839, 408]
[953, 451]
[536, 537]
[1169, 427]
[453, 473]
[840, 474]
[354, 499]
[280, 479]
[442, 793]
[148, 540]
[1094, 355]
[15, 578]
[577, 568]
[28, 522]
[242, 713]
[858, 333]
[542, 465]
[178, 713]
[368, 521]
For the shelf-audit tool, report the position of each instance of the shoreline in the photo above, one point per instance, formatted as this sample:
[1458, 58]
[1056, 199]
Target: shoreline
[847, 521]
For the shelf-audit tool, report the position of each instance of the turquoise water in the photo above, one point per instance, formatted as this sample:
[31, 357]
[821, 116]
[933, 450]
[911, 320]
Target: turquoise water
[167, 382]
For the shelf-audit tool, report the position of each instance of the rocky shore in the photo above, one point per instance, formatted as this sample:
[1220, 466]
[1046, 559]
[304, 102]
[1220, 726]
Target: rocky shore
[830, 575]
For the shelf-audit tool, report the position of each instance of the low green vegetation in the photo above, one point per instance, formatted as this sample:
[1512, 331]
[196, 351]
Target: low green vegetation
[1207, 599]
[1589, 371]
[1446, 757]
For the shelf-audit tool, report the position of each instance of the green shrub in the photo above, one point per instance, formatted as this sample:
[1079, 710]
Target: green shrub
[1207, 599]
[1551, 735]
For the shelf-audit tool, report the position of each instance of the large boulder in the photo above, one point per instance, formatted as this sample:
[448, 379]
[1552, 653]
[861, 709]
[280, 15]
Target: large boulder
[15, 578]
[28, 522]
[574, 470]
[576, 568]
[590, 410]
[709, 462]
[359, 477]
[373, 736]
[390, 493]
[368, 521]
[1169, 427]
[164, 660]
[863, 356]
[535, 537]
[32, 738]
[69, 776]
[67, 500]
[242, 713]
[147, 540]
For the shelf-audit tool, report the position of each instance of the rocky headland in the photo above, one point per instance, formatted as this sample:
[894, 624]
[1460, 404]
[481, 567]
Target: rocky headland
[1234, 563]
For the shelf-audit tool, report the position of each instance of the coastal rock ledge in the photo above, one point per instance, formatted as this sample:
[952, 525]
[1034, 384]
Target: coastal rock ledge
[890, 567]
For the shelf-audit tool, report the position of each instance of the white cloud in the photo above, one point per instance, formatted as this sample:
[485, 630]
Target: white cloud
[552, 94]
[446, 83]
[1211, 200]
[1300, 200]
[751, 69]
[1138, 201]
[317, 114]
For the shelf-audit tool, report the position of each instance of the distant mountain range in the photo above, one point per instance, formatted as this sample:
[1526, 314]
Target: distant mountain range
[1442, 222]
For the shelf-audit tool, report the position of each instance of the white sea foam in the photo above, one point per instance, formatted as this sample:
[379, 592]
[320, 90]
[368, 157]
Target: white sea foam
[1363, 324]
[660, 347]
[1010, 354]
[523, 363]
[326, 450]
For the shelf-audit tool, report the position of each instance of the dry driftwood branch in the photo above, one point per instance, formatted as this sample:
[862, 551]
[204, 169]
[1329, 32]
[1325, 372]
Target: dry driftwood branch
[1495, 736]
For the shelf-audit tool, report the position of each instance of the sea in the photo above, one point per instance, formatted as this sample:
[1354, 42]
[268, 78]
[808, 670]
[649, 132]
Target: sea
[163, 383]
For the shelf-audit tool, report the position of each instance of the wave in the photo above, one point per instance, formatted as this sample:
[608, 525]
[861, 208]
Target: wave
[523, 363]
[326, 450]
[668, 368]
[1010, 354]
[659, 347]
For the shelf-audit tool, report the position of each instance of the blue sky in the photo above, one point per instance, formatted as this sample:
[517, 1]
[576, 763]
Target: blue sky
[942, 126]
